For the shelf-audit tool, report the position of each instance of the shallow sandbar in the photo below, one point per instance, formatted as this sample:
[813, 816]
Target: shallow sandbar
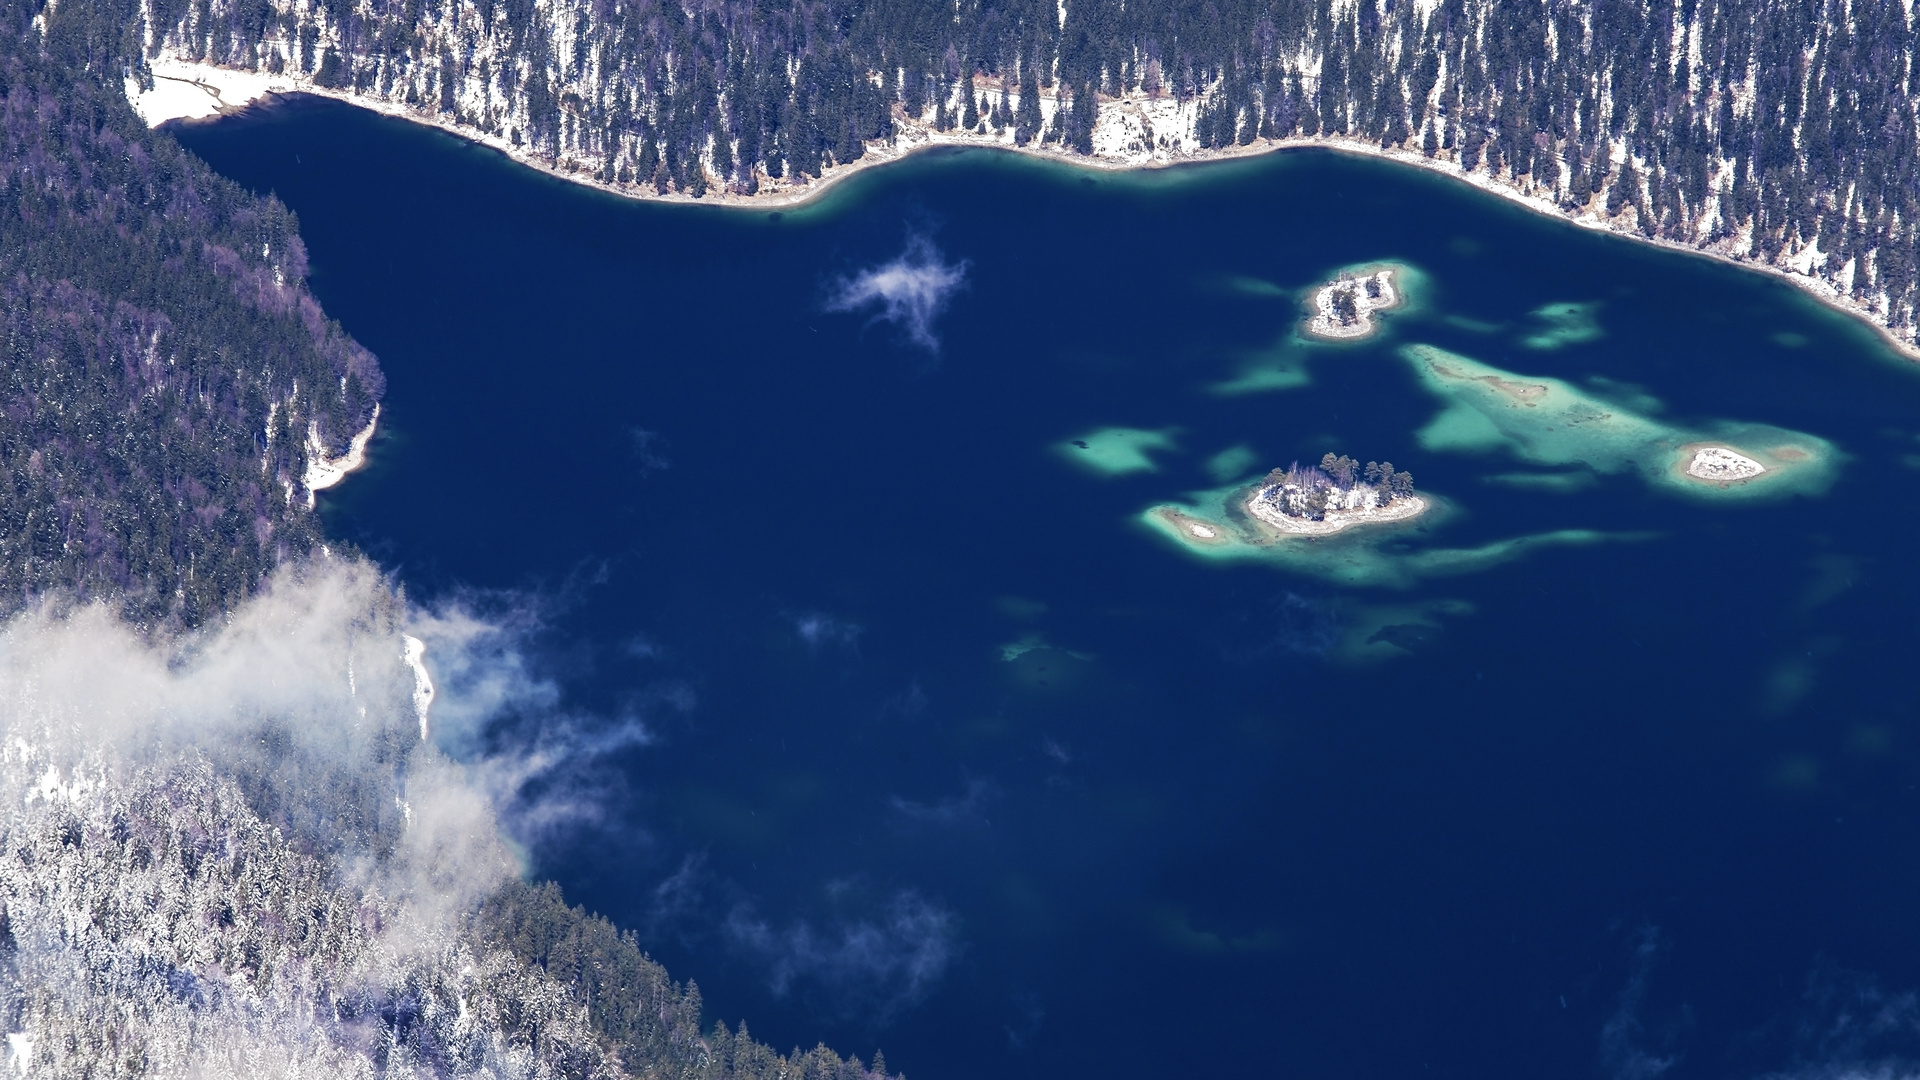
[1191, 529]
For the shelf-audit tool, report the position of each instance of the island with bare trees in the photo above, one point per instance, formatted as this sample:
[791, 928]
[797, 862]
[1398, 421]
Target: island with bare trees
[1337, 494]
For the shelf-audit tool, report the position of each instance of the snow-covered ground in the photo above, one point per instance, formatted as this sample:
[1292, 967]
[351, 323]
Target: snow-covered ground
[1371, 292]
[1722, 464]
[187, 91]
[414, 653]
[1401, 509]
[322, 471]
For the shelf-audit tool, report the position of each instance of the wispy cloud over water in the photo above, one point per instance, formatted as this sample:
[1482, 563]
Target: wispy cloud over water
[649, 450]
[873, 961]
[820, 630]
[1627, 1049]
[910, 291]
[1847, 1027]
[967, 809]
[548, 768]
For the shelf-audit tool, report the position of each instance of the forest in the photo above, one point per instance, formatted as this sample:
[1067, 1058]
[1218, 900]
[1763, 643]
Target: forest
[164, 361]
[1778, 131]
[196, 905]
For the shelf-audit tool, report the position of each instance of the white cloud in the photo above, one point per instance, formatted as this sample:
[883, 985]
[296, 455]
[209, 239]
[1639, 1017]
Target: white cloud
[909, 291]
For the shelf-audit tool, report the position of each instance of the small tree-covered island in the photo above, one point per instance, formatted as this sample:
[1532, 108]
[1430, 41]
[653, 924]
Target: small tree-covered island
[1337, 494]
[1343, 308]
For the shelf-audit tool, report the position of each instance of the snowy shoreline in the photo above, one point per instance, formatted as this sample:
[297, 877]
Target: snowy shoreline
[324, 472]
[1402, 509]
[1716, 463]
[198, 91]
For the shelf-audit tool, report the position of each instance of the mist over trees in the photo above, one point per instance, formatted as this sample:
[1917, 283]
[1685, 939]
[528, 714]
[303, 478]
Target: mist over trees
[231, 854]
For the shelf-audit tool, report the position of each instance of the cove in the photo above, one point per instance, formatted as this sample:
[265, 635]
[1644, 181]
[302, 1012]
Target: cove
[953, 753]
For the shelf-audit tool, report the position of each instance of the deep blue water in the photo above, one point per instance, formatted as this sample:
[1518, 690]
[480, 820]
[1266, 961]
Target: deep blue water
[1641, 807]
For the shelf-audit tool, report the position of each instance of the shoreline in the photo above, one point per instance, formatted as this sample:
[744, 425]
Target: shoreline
[1402, 509]
[324, 472]
[919, 138]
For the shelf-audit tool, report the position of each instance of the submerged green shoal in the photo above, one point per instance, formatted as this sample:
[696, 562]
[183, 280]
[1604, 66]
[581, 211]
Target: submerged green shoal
[1551, 422]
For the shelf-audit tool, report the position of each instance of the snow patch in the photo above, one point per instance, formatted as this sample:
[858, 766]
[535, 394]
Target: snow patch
[52, 790]
[414, 654]
[324, 472]
[183, 90]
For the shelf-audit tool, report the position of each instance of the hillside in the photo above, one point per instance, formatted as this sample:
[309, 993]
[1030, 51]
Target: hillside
[208, 872]
[226, 850]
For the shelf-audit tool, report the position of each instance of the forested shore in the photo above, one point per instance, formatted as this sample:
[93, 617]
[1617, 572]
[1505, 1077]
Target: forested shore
[1777, 133]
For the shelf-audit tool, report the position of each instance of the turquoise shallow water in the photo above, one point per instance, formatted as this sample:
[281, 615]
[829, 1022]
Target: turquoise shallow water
[956, 754]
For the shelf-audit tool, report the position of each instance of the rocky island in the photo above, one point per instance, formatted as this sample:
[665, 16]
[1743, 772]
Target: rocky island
[1337, 494]
[1718, 464]
[1343, 308]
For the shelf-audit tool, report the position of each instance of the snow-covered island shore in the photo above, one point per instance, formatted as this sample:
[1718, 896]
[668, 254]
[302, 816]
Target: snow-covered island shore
[1343, 308]
[1712, 464]
[1336, 495]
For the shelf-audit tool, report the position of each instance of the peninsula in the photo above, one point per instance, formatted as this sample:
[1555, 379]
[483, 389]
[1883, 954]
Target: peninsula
[1343, 308]
[1336, 495]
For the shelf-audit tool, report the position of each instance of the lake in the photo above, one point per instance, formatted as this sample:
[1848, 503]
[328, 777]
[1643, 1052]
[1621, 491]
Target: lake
[950, 752]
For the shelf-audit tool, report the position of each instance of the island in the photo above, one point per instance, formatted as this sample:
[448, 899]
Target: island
[1709, 463]
[1343, 308]
[1337, 494]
